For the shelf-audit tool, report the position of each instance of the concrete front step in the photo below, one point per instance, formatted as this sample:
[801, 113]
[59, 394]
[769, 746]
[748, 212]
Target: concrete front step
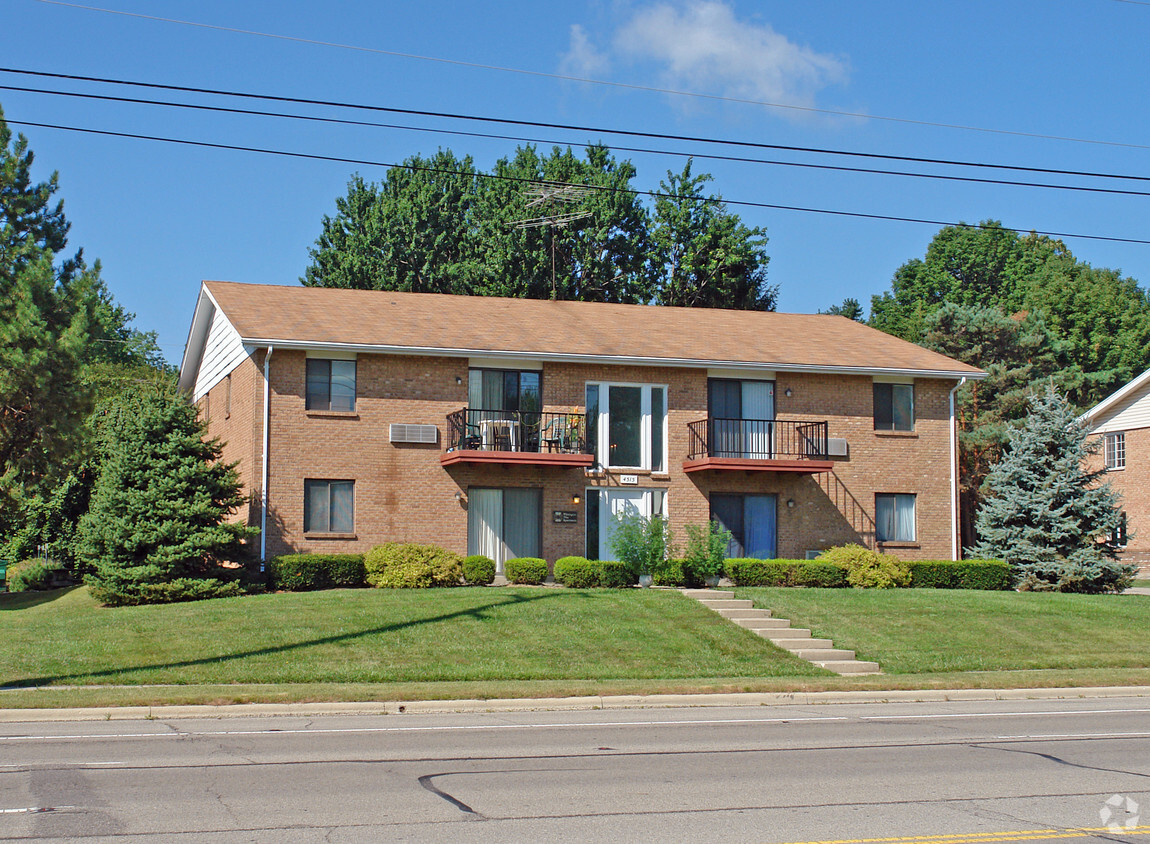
[821, 655]
[790, 632]
[763, 623]
[797, 644]
[709, 594]
[727, 604]
[849, 666]
[748, 613]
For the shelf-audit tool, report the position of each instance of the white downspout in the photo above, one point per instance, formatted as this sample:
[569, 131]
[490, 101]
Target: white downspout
[264, 481]
[954, 474]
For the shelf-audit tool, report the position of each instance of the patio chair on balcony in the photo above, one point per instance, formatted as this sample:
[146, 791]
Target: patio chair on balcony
[563, 434]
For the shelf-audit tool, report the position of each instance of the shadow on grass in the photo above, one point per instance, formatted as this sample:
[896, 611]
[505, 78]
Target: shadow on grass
[26, 600]
[479, 612]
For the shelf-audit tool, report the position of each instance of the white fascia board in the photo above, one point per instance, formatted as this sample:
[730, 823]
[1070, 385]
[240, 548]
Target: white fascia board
[1093, 415]
[206, 307]
[551, 357]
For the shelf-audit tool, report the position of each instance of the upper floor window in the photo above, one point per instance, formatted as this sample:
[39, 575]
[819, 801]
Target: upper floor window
[504, 390]
[330, 384]
[894, 517]
[1116, 450]
[630, 425]
[893, 407]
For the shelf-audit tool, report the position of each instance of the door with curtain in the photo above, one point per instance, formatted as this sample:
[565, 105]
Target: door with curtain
[504, 523]
[752, 521]
[742, 417]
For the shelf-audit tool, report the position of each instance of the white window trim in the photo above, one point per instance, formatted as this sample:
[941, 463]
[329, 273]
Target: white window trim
[1110, 450]
[645, 434]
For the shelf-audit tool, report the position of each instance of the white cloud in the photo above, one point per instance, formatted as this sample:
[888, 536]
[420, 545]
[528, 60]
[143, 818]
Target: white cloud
[582, 59]
[701, 46]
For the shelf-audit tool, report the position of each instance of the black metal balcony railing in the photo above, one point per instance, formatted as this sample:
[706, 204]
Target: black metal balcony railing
[757, 439]
[472, 429]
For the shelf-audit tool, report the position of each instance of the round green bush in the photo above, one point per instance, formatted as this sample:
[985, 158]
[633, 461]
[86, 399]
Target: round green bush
[305, 572]
[867, 569]
[526, 570]
[35, 575]
[478, 570]
[410, 565]
[616, 574]
[576, 572]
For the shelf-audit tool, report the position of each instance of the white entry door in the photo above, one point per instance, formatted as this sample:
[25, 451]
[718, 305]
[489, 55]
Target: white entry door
[624, 502]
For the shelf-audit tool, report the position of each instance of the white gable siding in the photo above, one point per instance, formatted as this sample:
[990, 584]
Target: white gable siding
[1132, 413]
[223, 352]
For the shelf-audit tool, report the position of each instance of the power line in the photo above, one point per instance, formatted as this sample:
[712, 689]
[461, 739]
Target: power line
[604, 82]
[644, 150]
[571, 127]
[523, 180]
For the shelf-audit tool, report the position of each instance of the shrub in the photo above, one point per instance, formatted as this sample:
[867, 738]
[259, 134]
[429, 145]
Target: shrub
[409, 565]
[821, 574]
[675, 572]
[170, 592]
[616, 574]
[526, 570]
[753, 572]
[478, 570]
[960, 574]
[35, 575]
[305, 572]
[642, 543]
[706, 551]
[577, 572]
[867, 569]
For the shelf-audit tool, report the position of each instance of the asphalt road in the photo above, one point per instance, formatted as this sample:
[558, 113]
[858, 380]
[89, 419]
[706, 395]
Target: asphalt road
[935, 773]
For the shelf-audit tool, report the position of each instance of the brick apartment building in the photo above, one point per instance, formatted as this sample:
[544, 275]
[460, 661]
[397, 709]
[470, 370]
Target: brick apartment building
[1122, 422]
[515, 427]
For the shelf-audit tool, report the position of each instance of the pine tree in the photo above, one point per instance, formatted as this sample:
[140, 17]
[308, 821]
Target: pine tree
[1044, 513]
[156, 529]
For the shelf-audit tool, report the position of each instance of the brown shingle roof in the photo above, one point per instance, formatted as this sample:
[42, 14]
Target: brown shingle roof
[478, 325]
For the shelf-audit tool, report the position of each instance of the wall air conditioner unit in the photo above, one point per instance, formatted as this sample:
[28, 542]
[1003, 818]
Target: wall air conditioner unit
[837, 447]
[399, 432]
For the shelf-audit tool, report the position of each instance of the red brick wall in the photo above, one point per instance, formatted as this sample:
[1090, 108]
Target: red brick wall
[404, 493]
[1133, 485]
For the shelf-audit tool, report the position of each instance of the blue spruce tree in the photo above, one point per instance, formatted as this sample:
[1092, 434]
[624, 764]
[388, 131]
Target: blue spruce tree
[1045, 514]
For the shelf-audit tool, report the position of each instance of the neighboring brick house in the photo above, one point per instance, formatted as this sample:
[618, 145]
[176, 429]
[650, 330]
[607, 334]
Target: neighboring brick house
[516, 427]
[1122, 423]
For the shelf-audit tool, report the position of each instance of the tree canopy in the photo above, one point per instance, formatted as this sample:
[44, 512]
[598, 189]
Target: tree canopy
[555, 225]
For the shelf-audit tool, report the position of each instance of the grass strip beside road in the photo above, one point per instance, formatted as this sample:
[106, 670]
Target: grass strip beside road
[932, 631]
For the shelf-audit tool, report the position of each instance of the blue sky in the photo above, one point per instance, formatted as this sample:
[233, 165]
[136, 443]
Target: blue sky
[161, 217]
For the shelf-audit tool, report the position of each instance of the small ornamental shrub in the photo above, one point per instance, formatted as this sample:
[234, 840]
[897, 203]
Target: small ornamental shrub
[867, 569]
[409, 565]
[478, 570]
[577, 572]
[35, 575]
[960, 574]
[706, 551]
[305, 572]
[642, 543]
[675, 572]
[616, 574]
[821, 574]
[526, 570]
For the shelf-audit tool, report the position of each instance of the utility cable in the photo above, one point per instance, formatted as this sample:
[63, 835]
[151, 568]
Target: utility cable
[677, 153]
[570, 127]
[524, 180]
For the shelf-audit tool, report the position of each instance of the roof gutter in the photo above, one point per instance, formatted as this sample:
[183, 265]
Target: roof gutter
[264, 468]
[954, 475]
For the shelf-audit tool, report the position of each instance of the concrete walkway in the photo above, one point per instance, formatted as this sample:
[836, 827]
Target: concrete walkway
[821, 652]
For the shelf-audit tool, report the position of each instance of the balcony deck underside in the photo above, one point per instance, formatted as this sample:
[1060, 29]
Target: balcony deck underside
[523, 458]
[744, 464]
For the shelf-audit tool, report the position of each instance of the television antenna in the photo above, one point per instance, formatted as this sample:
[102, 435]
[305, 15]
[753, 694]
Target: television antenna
[555, 201]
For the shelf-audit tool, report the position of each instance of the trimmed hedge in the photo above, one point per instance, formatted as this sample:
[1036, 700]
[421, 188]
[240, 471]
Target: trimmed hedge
[526, 570]
[478, 570]
[577, 572]
[409, 565]
[616, 574]
[960, 574]
[306, 572]
[752, 572]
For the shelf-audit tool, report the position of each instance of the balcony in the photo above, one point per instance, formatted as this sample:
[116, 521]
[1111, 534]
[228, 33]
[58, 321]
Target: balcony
[757, 445]
[517, 437]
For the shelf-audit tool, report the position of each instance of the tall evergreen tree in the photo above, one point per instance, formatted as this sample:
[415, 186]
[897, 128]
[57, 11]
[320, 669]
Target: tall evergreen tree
[1045, 514]
[156, 529]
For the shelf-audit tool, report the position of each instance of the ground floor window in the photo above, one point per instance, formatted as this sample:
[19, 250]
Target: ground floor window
[752, 521]
[1118, 538]
[894, 517]
[328, 506]
[604, 506]
[504, 523]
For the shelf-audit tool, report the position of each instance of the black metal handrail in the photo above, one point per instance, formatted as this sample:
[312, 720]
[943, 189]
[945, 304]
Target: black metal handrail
[757, 439]
[474, 429]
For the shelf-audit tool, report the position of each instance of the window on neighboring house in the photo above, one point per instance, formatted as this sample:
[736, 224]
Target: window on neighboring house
[504, 524]
[330, 384]
[629, 424]
[328, 506]
[752, 521]
[894, 517]
[1118, 538]
[1116, 450]
[893, 407]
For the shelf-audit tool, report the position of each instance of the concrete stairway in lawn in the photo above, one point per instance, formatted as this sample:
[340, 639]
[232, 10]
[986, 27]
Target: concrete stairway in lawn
[821, 652]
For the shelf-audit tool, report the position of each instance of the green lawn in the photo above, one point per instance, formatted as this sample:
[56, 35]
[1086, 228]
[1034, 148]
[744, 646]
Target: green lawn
[379, 636]
[919, 631]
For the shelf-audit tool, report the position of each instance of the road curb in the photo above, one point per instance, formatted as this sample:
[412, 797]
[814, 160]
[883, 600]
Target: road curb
[255, 710]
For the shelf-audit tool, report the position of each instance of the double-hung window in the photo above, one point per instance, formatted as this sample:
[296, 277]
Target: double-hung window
[629, 425]
[1116, 450]
[328, 506]
[894, 517]
[330, 384]
[893, 407]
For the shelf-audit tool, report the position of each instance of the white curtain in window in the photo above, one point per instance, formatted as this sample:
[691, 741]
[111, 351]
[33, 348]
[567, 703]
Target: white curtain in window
[904, 517]
[758, 401]
[894, 518]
